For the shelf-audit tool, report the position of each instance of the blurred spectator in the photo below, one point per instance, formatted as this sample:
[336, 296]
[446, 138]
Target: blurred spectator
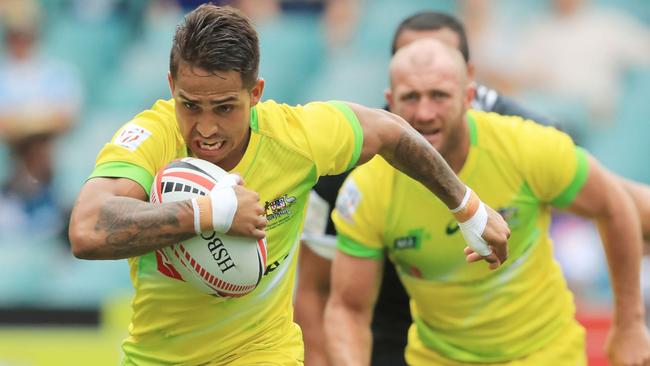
[39, 100]
[575, 55]
[339, 17]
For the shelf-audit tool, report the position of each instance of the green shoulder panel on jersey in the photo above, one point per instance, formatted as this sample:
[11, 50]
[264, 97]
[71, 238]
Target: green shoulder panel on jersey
[119, 169]
[473, 131]
[356, 128]
[355, 249]
[254, 123]
[570, 192]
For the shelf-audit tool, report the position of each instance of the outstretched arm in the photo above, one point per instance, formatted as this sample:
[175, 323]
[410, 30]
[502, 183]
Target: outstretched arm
[604, 200]
[403, 147]
[355, 286]
[390, 136]
[640, 195]
[112, 219]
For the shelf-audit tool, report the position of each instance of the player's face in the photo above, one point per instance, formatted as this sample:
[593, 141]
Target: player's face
[213, 111]
[433, 101]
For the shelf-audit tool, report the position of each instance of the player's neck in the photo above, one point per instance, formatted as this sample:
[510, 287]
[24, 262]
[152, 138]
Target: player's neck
[459, 145]
[235, 156]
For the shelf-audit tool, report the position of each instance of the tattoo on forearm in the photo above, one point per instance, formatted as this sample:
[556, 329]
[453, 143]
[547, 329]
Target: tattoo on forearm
[420, 161]
[133, 228]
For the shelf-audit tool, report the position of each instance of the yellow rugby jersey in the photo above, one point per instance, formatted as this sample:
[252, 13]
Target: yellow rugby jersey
[289, 148]
[465, 311]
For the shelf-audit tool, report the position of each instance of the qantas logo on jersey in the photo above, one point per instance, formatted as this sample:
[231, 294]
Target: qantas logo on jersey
[412, 239]
[406, 242]
[132, 136]
[278, 211]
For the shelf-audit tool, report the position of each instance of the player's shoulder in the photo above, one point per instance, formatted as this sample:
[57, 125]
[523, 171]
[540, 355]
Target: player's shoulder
[272, 115]
[377, 172]
[157, 124]
[296, 126]
[160, 117]
[489, 128]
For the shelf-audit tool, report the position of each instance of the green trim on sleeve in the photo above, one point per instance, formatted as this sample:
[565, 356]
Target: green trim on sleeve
[355, 249]
[254, 123]
[570, 192]
[120, 169]
[356, 128]
[473, 133]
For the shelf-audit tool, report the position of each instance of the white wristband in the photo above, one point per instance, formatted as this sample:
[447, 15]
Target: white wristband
[473, 228]
[463, 203]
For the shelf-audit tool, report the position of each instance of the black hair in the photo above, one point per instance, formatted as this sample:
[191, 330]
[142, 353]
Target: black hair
[431, 21]
[217, 38]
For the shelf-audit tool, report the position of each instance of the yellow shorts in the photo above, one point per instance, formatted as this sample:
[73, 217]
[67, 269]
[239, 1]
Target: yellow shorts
[568, 348]
[287, 349]
[284, 349]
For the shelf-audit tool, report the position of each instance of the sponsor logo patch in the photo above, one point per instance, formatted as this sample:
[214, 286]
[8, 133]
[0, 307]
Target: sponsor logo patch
[348, 200]
[132, 136]
[452, 227]
[412, 239]
[278, 211]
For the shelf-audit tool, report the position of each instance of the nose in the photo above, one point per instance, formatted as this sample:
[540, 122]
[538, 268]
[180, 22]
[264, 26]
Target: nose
[206, 128]
[425, 111]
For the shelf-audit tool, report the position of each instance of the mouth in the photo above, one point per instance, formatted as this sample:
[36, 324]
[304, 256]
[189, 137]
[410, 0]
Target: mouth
[430, 133]
[209, 147]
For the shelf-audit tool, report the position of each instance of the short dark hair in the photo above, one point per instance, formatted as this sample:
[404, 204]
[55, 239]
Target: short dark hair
[431, 21]
[217, 38]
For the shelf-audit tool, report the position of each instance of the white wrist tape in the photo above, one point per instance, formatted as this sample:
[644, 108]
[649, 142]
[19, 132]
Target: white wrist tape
[197, 216]
[473, 228]
[224, 202]
[223, 205]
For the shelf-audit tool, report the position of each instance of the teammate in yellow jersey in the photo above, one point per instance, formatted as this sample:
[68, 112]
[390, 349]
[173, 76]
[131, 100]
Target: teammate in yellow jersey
[217, 114]
[520, 314]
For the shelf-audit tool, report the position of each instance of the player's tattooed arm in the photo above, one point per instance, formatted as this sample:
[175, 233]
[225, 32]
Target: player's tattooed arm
[112, 219]
[403, 147]
[132, 227]
[384, 133]
[416, 157]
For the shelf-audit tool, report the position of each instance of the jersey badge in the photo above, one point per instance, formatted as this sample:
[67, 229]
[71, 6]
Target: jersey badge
[278, 211]
[348, 200]
[132, 136]
[412, 240]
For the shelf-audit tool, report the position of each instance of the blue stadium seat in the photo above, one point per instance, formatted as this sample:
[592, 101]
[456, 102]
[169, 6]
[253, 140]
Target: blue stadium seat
[292, 50]
[623, 146]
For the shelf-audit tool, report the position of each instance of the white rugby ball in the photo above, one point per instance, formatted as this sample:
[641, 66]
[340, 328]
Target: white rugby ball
[217, 264]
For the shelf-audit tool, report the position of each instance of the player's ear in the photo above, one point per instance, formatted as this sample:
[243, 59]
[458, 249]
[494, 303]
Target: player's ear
[170, 79]
[470, 92]
[388, 95]
[470, 70]
[257, 91]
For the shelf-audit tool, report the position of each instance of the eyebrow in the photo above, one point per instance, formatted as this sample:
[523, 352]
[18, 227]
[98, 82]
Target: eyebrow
[230, 98]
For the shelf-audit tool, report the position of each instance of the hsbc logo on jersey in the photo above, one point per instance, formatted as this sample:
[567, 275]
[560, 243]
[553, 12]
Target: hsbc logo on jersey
[131, 137]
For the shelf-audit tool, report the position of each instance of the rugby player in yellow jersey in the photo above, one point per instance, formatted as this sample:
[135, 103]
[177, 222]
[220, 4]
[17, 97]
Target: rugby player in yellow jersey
[520, 314]
[280, 151]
